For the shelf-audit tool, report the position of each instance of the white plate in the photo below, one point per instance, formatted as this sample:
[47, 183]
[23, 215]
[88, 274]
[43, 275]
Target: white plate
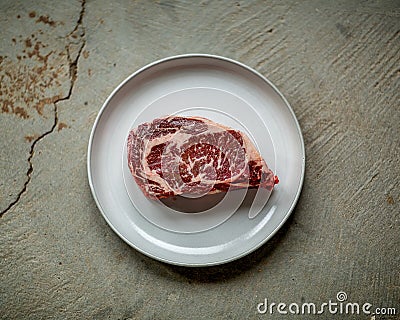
[222, 90]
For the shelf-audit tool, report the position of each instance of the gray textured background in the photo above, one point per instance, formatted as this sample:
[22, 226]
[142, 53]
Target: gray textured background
[338, 64]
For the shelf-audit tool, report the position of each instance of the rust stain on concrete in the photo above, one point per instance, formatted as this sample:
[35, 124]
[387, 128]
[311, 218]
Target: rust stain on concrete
[27, 83]
[30, 138]
[46, 20]
[62, 125]
[389, 199]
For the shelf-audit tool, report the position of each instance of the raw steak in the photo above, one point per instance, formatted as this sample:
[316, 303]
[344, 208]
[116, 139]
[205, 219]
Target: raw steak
[194, 156]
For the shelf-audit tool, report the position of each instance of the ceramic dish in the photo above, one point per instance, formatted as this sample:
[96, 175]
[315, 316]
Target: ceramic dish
[187, 232]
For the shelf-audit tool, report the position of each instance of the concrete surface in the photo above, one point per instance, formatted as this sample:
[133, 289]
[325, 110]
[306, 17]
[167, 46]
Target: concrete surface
[337, 62]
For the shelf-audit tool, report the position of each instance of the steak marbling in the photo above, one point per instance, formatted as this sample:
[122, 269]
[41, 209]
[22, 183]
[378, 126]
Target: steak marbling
[194, 156]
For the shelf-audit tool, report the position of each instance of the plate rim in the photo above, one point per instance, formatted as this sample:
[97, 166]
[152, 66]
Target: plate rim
[184, 56]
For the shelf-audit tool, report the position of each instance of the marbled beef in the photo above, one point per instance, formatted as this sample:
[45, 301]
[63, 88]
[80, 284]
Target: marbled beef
[193, 156]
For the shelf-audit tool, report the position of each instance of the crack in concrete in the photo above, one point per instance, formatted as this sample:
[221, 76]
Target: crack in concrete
[73, 74]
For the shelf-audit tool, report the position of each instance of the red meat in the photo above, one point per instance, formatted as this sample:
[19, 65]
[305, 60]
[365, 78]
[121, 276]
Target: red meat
[194, 156]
